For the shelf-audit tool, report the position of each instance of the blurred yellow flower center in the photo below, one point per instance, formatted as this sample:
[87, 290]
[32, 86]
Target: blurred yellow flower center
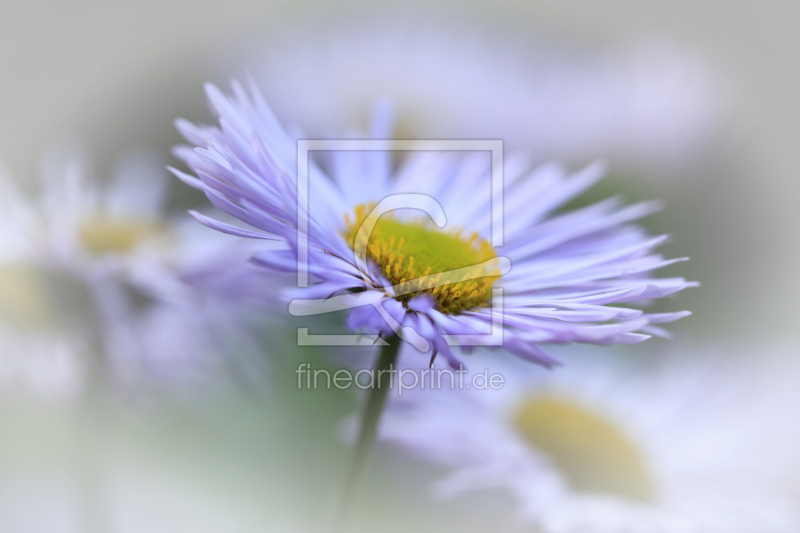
[102, 234]
[22, 294]
[591, 452]
[416, 258]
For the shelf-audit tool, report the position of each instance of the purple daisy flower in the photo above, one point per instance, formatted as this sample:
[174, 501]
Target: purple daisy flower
[562, 274]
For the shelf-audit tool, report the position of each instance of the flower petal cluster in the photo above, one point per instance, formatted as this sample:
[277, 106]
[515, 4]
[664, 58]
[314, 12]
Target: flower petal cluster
[566, 276]
[102, 271]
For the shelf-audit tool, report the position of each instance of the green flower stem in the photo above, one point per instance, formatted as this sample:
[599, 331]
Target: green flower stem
[370, 418]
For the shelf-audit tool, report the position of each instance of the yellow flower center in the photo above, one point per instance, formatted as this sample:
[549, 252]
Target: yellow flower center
[102, 234]
[418, 258]
[22, 294]
[591, 452]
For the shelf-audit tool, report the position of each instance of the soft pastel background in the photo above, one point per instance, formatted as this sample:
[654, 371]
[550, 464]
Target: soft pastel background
[226, 460]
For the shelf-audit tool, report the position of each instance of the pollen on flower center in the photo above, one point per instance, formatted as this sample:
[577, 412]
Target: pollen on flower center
[103, 234]
[416, 258]
[592, 453]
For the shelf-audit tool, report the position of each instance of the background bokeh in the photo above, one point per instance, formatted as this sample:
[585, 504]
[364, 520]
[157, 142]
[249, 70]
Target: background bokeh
[117, 74]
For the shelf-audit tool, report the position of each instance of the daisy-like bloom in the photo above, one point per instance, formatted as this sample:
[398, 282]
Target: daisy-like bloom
[102, 272]
[424, 275]
[696, 446]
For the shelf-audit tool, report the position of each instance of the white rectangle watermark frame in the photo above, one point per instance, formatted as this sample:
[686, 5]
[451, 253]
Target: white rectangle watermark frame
[306, 146]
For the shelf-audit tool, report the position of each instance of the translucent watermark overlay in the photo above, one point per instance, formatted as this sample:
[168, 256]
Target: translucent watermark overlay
[402, 380]
[424, 203]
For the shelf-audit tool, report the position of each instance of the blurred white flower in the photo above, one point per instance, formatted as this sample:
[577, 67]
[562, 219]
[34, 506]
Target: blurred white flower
[46, 364]
[99, 272]
[645, 105]
[698, 445]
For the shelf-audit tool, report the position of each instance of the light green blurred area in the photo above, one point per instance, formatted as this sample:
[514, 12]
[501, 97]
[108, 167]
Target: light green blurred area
[226, 460]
